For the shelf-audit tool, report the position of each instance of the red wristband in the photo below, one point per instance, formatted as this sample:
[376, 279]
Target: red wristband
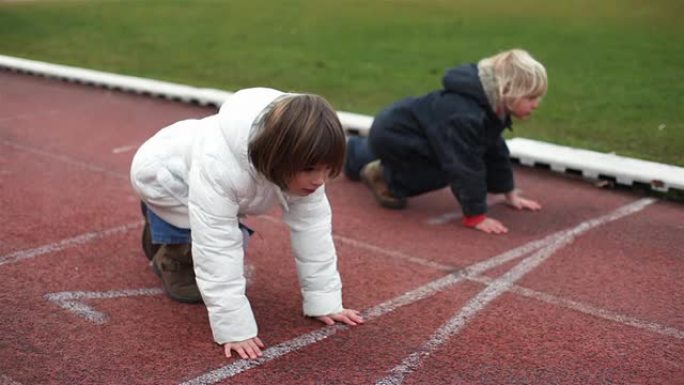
[474, 220]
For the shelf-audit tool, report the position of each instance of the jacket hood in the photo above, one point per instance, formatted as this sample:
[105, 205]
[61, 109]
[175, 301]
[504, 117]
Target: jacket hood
[464, 80]
[239, 115]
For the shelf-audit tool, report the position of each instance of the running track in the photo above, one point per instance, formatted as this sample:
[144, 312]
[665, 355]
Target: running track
[588, 291]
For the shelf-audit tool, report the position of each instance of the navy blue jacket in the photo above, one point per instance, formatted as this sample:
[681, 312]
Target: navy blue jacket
[454, 129]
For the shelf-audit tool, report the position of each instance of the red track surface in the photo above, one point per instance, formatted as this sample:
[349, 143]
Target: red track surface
[603, 304]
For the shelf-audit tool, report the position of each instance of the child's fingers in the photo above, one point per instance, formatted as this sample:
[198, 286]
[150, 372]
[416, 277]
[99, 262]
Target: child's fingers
[245, 349]
[534, 206]
[346, 320]
[252, 349]
[529, 204]
[492, 226]
[347, 316]
[237, 348]
[496, 230]
[350, 317]
[516, 206]
[326, 320]
[241, 352]
[355, 316]
[259, 343]
[501, 229]
[248, 352]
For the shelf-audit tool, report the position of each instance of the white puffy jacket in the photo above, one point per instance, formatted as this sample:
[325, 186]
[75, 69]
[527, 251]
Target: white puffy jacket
[196, 174]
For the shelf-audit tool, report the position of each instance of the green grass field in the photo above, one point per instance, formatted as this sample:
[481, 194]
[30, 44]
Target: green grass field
[615, 67]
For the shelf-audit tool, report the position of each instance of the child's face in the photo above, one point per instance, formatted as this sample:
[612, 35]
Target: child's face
[523, 107]
[309, 180]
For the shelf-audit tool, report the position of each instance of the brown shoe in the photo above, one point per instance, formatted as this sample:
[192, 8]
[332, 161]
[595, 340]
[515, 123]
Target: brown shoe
[371, 175]
[173, 264]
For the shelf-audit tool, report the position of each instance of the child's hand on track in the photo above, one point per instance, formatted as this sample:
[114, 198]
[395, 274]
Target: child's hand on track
[491, 226]
[249, 348]
[513, 199]
[346, 316]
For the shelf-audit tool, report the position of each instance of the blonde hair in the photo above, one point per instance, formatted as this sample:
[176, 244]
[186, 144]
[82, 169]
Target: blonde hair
[297, 132]
[517, 75]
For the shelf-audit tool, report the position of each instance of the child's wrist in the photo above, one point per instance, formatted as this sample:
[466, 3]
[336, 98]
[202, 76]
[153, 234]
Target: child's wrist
[472, 221]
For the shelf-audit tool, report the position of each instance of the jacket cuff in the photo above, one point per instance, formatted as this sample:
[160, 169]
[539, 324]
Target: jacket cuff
[233, 326]
[320, 304]
[474, 220]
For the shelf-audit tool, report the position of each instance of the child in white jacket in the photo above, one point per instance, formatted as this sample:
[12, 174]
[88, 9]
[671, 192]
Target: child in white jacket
[196, 178]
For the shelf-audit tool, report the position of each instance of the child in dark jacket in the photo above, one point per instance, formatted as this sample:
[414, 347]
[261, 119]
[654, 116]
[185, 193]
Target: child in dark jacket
[453, 137]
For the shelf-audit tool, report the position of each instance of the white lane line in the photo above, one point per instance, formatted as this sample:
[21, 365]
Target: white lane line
[444, 218]
[73, 301]
[454, 216]
[410, 297]
[591, 310]
[394, 254]
[494, 289]
[64, 159]
[122, 149]
[70, 242]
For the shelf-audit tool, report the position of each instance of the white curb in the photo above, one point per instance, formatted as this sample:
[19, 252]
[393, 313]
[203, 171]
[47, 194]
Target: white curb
[597, 165]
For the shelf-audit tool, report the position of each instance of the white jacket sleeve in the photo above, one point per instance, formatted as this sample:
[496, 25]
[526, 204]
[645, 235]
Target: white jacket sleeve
[218, 256]
[310, 223]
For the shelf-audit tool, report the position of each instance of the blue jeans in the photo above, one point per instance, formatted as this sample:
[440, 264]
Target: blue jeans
[165, 233]
[406, 174]
[359, 154]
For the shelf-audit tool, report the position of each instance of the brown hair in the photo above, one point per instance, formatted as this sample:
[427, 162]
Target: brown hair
[297, 132]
